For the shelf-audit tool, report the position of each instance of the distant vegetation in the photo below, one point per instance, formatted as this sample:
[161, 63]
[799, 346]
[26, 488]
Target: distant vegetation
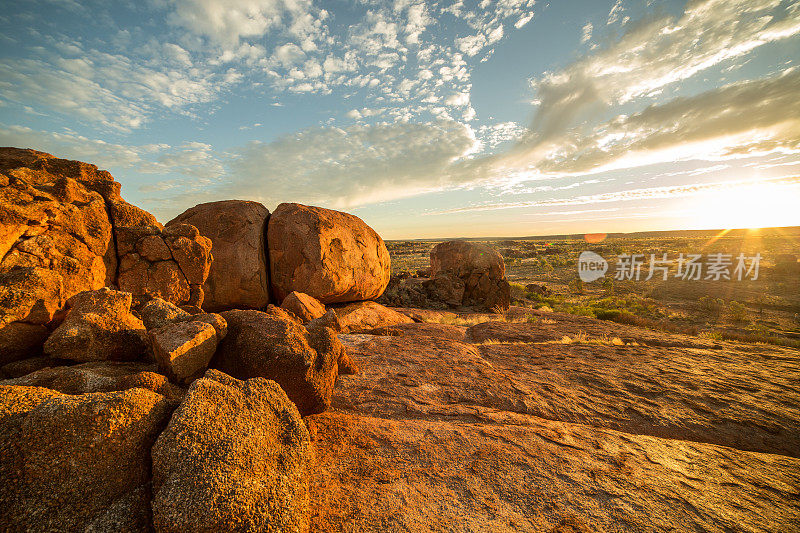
[543, 275]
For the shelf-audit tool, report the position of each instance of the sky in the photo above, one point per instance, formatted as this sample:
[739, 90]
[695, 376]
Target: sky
[426, 119]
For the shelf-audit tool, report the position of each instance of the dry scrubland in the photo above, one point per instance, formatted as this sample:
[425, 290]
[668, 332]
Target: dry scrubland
[765, 310]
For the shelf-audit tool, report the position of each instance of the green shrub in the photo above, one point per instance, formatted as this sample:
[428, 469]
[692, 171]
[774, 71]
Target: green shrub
[737, 311]
[711, 305]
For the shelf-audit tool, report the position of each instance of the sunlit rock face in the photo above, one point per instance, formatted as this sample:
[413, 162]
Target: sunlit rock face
[329, 255]
[61, 222]
[238, 278]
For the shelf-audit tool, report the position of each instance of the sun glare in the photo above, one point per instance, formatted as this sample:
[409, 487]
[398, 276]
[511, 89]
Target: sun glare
[749, 206]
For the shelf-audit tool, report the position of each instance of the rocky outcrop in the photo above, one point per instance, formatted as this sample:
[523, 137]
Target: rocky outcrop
[99, 327]
[171, 264]
[77, 463]
[234, 457]
[330, 255]
[53, 215]
[103, 376]
[365, 316]
[479, 267]
[238, 276]
[304, 307]
[303, 362]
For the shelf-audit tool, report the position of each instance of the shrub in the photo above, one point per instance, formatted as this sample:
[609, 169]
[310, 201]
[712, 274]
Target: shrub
[737, 311]
[711, 305]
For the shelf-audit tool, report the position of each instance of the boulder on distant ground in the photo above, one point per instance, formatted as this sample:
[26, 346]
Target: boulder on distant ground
[183, 350]
[479, 266]
[237, 229]
[234, 457]
[99, 327]
[100, 376]
[330, 255]
[361, 317]
[303, 362]
[305, 307]
[171, 264]
[445, 287]
[77, 463]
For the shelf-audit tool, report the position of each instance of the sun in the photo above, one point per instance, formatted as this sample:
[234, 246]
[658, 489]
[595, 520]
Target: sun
[747, 206]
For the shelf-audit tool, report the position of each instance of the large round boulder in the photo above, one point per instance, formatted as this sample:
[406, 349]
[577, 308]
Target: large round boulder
[234, 457]
[481, 269]
[238, 277]
[277, 347]
[330, 255]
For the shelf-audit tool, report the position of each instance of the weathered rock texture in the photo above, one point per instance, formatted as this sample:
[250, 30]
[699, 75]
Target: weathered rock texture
[365, 316]
[99, 327]
[171, 264]
[536, 435]
[183, 350]
[234, 457]
[77, 463]
[305, 307]
[238, 277]
[479, 267]
[303, 362]
[103, 376]
[57, 231]
[330, 255]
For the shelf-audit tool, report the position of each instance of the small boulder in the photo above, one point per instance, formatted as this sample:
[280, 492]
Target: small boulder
[170, 263]
[234, 457]
[216, 320]
[362, 317]
[157, 313]
[305, 307]
[183, 350]
[99, 327]
[100, 376]
[238, 275]
[330, 255]
[303, 362]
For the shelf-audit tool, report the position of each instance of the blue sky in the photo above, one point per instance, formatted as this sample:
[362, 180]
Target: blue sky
[427, 119]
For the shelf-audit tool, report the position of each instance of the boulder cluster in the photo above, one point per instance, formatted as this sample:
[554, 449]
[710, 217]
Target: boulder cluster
[156, 377]
[462, 275]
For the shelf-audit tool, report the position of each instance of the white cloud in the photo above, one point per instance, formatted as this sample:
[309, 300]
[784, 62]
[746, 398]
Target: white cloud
[655, 54]
[586, 33]
[226, 22]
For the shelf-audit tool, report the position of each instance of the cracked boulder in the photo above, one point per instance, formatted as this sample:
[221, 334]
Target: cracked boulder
[171, 264]
[302, 361]
[99, 327]
[77, 463]
[234, 457]
[329, 255]
[238, 275]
